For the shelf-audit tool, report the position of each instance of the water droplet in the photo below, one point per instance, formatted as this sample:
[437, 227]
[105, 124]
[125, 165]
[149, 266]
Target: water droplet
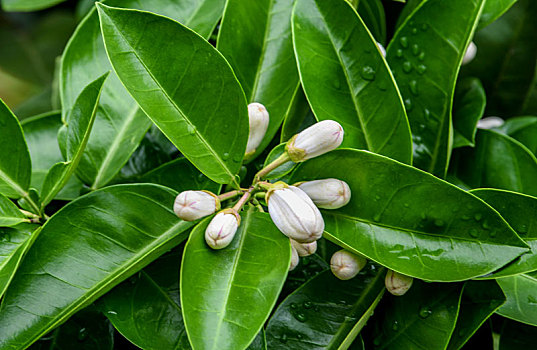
[395, 326]
[439, 223]
[191, 129]
[485, 225]
[478, 216]
[414, 87]
[293, 306]
[423, 216]
[316, 309]
[111, 312]
[406, 205]
[422, 127]
[474, 233]
[415, 49]
[425, 312]
[283, 338]
[408, 104]
[427, 114]
[6, 237]
[237, 158]
[308, 304]
[382, 86]
[421, 69]
[421, 56]
[377, 197]
[299, 336]
[407, 67]
[465, 217]
[414, 31]
[404, 42]
[82, 334]
[399, 53]
[225, 156]
[424, 26]
[532, 300]
[493, 234]
[523, 229]
[376, 218]
[368, 73]
[301, 317]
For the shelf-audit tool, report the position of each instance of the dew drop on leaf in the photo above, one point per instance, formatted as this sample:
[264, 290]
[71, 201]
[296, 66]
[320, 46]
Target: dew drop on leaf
[399, 53]
[368, 73]
[283, 338]
[532, 300]
[424, 26]
[395, 326]
[421, 57]
[425, 312]
[415, 49]
[293, 306]
[439, 223]
[408, 104]
[225, 156]
[414, 87]
[82, 334]
[474, 233]
[301, 317]
[427, 114]
[421, 69]
[404, 41]
[191, 129]
[407, 67]
[523, 229]
[478, 217]
[414, 31]
[308, 304]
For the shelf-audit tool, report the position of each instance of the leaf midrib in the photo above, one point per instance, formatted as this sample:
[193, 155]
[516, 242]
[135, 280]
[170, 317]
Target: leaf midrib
[11, 183]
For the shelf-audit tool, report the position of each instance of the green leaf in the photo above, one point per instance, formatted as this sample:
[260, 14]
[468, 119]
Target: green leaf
[255, 37]
[493, 10]
[372, 13]
[354, 86]
[411, 221]
[228, 294]
[497, 161]
[41, 136]
[519, 211]
[516, 336]
[423, 318]
[169, 59]
[425, 55]
[325, 312]
[10, 215]
[76, 131]
[468, 107]
[84, 250]
[28, 5]
[119, 125]
[15, 164]
[283, 169]
[479, 300]
[522, 129]
[521, 293]
[298, 118]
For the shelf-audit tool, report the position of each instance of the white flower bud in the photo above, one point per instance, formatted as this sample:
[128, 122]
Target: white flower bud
[294, 258]
[382, 49]
[397, 284]
[259, 121]
[304, 249]
[470, 53]
[490, 122]
[222, 228]
[193, 205]
[345, 265]
[327, 193]
[318, 139]
[293, 212]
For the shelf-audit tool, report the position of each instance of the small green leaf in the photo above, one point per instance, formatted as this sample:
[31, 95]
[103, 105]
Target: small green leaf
[521, 293]
[468, 107]
[411, 221]
[168, 59]
[228, 294]
[283, 169]
[10, 215]
[522, 129]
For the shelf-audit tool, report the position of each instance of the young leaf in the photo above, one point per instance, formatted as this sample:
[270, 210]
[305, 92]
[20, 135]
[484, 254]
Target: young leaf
[325, 312]
[411, 221]
[10, 215]
[228, 294]
[425, 56]
[169, 59]
[255, 37]
[468, 107]
[15, 166]
[84, 250]
[119, 125]
[76, 133]
[28, 5]
[346, 79]
[521, 293]
[522, 129]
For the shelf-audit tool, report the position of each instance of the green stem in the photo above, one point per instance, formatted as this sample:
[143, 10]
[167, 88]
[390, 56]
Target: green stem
[33, 205]
[238, 206]
[229, 195]
[284, 158]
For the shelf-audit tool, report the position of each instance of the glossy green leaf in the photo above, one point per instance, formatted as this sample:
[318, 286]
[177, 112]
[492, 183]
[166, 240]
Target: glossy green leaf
[28, 5]
[84, 250]
[15, 164]
[516, 336]
[425, 55]
[228, 294]
[10, 215]
[325, 312]
[522, 129]
[255, 37]
[167, 58]
[372, 13]
[283, 169]
[521, 293]
[76, 132]
[119, 125]
[354, 86]
[497, 161]
[468, 107]
[411, 221]
[519, 211]
[298, 118]
[423, 318]
[479, 300]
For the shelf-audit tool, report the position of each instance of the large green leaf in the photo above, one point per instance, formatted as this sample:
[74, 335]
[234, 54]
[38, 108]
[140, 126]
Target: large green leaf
[169, 61]
[497, 161]
[519, 211]
[522, 129]
[423, 318]
[41, 136]
[228, 294]
[15, 164]
[479, 300]
[28, 5]
[325, 312]
[521, 293]
[76, 132]
[468, 107]
[354, 85]
[84, 250]
[255, 37]
[411, 221]
[425, 56]
[10, 215]
[120, 125]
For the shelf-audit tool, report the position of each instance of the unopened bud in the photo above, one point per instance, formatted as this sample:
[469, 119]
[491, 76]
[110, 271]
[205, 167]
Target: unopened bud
[318, 139]
[345, 265]
[293, 212]
[222, 228]
[294, 259]
[397, 284]
[490, 122]
[381, 49]
[470, 53]
[327, 193]
[193, 205]
[259, 121]
[304, 249]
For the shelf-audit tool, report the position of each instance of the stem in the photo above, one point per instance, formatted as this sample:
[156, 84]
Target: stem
[29, 214]
[238, 206]
[284, 158]
[32, 204]
[229, 195]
